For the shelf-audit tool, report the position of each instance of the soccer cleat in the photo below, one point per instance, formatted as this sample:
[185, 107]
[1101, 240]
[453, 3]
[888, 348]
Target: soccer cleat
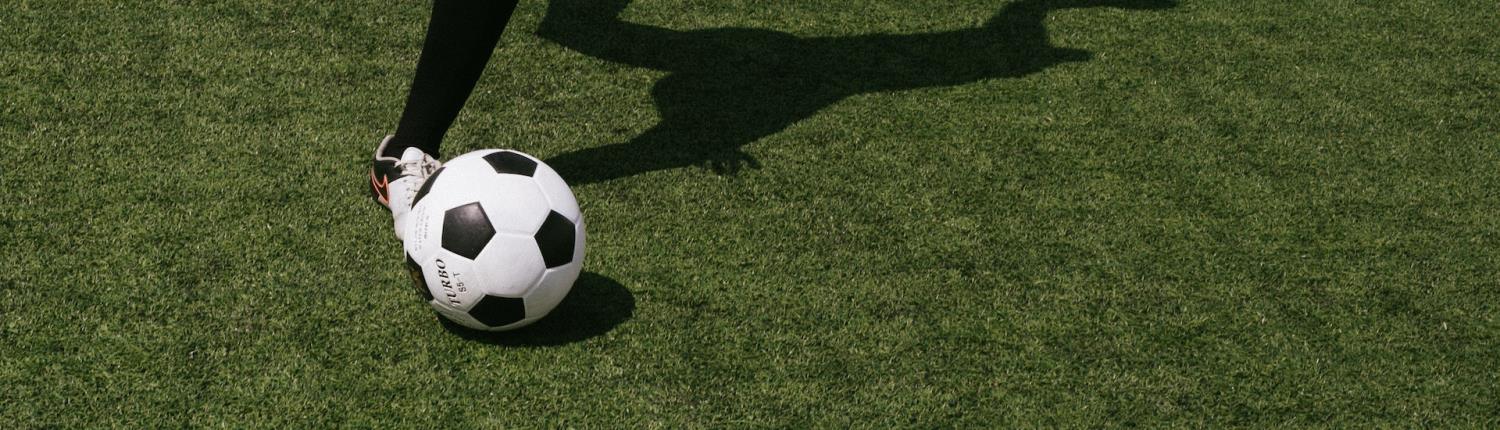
[394, 181]
[382, 171]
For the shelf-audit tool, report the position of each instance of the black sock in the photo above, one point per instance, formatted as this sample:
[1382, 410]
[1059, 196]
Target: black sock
[460, 38]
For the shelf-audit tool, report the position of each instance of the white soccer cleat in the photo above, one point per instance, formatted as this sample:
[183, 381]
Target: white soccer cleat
[411, 171]
[415, 167]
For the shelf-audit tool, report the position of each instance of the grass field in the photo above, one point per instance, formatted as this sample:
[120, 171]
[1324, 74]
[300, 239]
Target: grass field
[815, 213]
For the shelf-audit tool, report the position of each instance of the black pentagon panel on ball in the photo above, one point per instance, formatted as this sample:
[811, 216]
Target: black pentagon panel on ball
[496, 311]
[426, 186]
[507, 162]
[466, 229]
[555, 240]
[417, 280]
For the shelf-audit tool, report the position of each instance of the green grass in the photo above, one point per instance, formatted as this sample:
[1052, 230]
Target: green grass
[1234, 213]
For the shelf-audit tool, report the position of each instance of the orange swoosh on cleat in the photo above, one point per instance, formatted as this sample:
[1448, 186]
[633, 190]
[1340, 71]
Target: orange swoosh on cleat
[380, 188]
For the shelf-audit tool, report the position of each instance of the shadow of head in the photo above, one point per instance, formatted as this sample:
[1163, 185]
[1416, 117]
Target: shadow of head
[595, 306]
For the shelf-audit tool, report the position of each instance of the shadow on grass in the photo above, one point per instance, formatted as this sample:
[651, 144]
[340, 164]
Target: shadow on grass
[729, 87]
[594, 307]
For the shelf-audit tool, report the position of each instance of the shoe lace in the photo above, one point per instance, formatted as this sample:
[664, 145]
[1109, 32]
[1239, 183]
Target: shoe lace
[419, 168]
[416, 168]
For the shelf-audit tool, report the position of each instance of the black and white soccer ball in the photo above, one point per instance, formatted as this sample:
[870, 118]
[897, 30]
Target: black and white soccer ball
[494, 240]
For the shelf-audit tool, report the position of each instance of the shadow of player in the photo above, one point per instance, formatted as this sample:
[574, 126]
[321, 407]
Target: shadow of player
[729, 87]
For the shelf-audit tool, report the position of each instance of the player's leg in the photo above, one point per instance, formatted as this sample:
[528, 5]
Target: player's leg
[460, 38]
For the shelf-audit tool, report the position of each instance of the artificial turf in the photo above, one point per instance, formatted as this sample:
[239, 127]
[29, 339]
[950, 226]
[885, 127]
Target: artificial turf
[818, 213]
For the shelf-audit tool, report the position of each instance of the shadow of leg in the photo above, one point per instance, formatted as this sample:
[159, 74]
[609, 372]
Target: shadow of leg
[662, 147]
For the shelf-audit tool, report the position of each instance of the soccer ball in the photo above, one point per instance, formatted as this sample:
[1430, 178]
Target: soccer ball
[494, 240]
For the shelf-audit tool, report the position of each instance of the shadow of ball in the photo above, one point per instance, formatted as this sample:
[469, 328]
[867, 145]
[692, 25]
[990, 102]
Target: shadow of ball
[594, 306]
